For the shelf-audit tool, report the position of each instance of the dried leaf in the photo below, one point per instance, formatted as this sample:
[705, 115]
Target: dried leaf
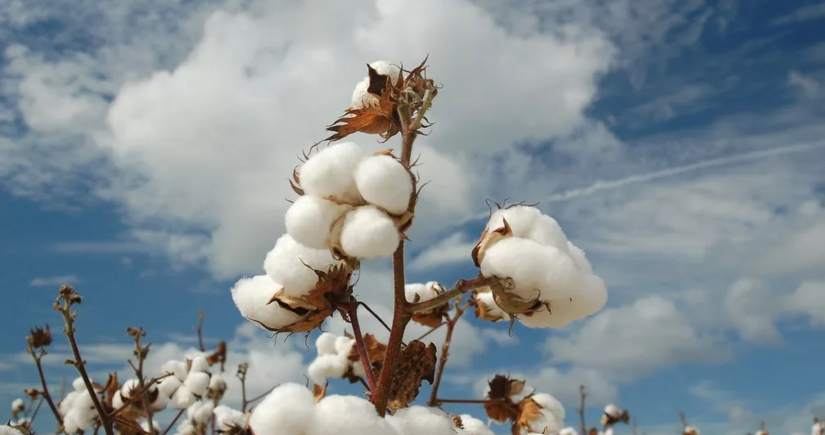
[376, 351]
[501, 407]
[482, 310]
[416, 363]
[528, 411]
[381, 119]
[319, 392]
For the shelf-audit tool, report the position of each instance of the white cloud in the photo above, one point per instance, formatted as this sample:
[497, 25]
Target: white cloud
[53, 281]
[753, 311]
[563, 385]
[809, 86]
[454, 249]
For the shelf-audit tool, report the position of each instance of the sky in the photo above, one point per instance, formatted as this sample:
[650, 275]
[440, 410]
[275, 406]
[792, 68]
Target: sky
[145, 148]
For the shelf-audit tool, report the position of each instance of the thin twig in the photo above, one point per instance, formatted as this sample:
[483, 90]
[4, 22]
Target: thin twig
[352, 313]
[582, 395]
[461, 287]
[46, 394]
[260, 396]
[36, 409]
[430, 332]
[445, 353]
[174, 420]
[377, 317]
[242, 368]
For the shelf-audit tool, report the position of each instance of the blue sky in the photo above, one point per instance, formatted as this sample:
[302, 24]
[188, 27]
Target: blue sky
[145, 147]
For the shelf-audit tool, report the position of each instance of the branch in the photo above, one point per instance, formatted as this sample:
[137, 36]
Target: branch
[352, 313]
[445, 353]
[46, 395]
[582, 394]
[174, 420]
[70, 297]
[242, 368]
[461, 287]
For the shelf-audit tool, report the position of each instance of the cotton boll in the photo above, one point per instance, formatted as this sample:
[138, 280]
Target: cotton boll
[117, 399]
[520, 219]
[227, 418]
[368, 233]
[425, 292]
[130, 387]
[200, 412]
[155, 425]
[385, 182]
[197, 383]
[579, 258]
[493, 310]
[18, 406]
[612, 410]
[291, 264]
[183, 398]
[288, 409]
[474, 426]
[8, 430]
[160, 402]
[78, 384]
[569, 431]
[545, 423]
[168, 385]
[199, 364]
[327, 366]
[343, 344]
[347, 415]
[546, 231]
[360, 97]
[423, 420]
[186, 428]
[550, 404]
[309, 220]
[330, 172]
[538, 271]
[252, 296]
[176, 368]
[325, 343]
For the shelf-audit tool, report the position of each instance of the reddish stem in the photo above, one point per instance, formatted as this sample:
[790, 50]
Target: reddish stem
[359, 343]
[461, 287]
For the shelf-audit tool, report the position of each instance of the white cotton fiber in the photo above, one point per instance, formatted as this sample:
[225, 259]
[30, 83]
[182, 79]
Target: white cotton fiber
[329, 173]
[424, 292]
[197, 383]
[343, 344]
[474, 426]
[424, 420]
[199, 364]
[360, 97]
[287, 410]
[168, 385]
[578, 256]
[612, 410]
[327, 366]
[347, 415]
[550, 404]
[155, 425]
[309, 220]
[183, 398]
[201, 411]
[493, 309]
[176, 368]
[546, 231]
[227, 418]
[8, 430]
[368, 233]
[160, 402]
[251, 296]
[383, 181]
[538, 271]
[325, 343]
[291, 264]
[569, 431]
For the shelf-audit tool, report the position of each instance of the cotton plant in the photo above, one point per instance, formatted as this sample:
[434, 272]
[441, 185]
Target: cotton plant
[187, 382]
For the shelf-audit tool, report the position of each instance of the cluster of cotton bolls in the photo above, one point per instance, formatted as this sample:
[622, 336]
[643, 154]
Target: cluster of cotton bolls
[228, 419]
[361, 98]
[291, 409]
[77, 409]
[290, 270]
[333, 360]
[131, 388]
[353, 204]
[554, 281]
[188, 381]
[550, 416]
[19, 407]
[198, 415]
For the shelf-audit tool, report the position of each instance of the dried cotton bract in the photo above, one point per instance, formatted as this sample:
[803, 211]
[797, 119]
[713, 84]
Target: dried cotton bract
[612, 415]
[554, 282]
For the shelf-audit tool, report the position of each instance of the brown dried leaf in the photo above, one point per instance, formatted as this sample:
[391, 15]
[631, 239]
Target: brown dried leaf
[501, 407]
[528, 411]
[416, 363]
[379, 120]
[319, 392]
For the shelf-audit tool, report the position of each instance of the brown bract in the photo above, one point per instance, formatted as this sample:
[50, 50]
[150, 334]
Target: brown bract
[39, 338]
[416, 363]
[319, 392]
[376, 352]
[500, 406]
[381, 118]
[331, 290]
[528, 411]
[482, 310]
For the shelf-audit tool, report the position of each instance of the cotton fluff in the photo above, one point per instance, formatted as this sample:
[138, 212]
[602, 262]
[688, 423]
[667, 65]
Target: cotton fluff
[309, 220]
[544, 265]
[200, 412]
[329, 173]
[155, 425]
[8, 430]
[132, 387]
[385, 182]
[360, 97]
[474, 426]
[291, 265]
[252, 296]
[692, 430]
[77, 408]
[17, 406]
[493, 310]
[569, 431]
[612, 411]
[191, 383]
[347, 415]
[424, 420]
[186, 428]
[217, 384]
[227, 418]
[551, 405]
[425, 292]
[368, 233]
[333, 359]
[287, 410]
[818, 428]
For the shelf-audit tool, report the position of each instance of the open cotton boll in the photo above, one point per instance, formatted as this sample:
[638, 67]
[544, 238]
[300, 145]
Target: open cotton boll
[18, 406]
[160, 402]
[227, 418]
[309, 220]
[129, 387]
[368, 233]
[168, 385]
[343, 344]
[347, 415]
[8, 430]
[424, 292]
[155, 425]
[385, 182]
[474, 426]
[200, 412]
[550, 404]
[197, 383]
[424, 420]
[327, 366]
[183, 398]
[545, 423]
[546, 231]
[493, 311]
[325, 343]
[252, 296]
[199, 364]
[291, 264]
[176, 368]
[329, 173]
[288, 409]
[569, 431]
[360, 97]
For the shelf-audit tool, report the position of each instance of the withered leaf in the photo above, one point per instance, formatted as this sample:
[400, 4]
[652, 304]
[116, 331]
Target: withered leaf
[381, 119]
[501, 407]
[416, 363]
[319, 392]
[528, 411]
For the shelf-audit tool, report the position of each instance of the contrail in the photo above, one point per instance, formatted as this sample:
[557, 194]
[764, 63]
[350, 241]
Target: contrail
[634, 179]
[650, 176]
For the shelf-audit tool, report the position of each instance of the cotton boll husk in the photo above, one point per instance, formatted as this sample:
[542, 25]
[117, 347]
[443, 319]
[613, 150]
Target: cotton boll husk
[424, 420]
[197, 383]
[226, 418]
[325, 343]
[327, 366]
[532, 267]
[291, 264]
[368, 233]
[252, 296]
[347, 415]
[309, 220]
[489, 301]
[547, 232]
[156, 426]
[550, 404]
[183, 398]
[287, 410]
[385, 182]
[474, 426]
[168, 385]
[329, 173]
[569, 431]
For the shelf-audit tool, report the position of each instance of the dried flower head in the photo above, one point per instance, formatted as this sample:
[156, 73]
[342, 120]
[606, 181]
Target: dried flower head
[39, 338]
[500, 406]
